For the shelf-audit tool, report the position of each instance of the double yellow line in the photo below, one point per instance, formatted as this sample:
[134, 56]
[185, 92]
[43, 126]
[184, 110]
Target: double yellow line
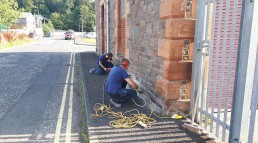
[70, 109]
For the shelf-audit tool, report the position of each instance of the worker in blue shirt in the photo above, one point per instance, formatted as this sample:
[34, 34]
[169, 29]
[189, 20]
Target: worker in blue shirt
[104, 64]
[116, 84]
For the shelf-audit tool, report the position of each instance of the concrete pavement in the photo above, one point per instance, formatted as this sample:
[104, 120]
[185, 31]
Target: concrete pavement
[165, 130]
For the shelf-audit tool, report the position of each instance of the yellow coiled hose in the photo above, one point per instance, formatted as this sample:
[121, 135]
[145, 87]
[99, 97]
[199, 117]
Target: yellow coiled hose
[123, 121]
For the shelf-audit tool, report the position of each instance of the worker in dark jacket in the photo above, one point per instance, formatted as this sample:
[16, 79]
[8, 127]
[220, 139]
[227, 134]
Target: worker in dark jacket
[116, 84]
[104, 64]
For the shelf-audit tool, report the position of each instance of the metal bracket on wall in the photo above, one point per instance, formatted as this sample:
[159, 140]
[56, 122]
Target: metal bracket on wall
[204, 46]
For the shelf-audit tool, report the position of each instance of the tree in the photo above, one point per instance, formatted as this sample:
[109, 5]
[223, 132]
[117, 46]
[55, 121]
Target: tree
[69, 5]
[44, 10]
[50, 25]
[56, 19]
[77, 3]
[55, 5]
[65, 14]
[26, 5]
[87, 12]
[9, 12]
[90, 23]
[47, 27]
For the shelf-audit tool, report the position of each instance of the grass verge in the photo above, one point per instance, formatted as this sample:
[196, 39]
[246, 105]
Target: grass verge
[88, 40]
[16, 43]
[84, 119]
[85, 128]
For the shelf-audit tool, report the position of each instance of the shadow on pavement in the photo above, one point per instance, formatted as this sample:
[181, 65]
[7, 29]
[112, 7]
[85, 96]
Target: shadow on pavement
[164, 130]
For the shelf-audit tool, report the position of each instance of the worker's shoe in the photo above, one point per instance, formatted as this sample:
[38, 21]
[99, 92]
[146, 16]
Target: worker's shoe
[115, 104]
[93, 70]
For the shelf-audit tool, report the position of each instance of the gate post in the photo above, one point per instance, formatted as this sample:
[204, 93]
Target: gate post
[198, 38]
[244, 76]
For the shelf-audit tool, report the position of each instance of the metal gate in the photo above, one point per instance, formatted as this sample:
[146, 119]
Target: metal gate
[223, 97]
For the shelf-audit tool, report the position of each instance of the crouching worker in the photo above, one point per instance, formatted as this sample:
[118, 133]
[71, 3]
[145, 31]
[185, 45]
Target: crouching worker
[104, 64]
[116, 84]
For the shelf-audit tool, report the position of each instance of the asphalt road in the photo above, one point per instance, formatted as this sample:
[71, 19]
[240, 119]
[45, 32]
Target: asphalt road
[39, 93]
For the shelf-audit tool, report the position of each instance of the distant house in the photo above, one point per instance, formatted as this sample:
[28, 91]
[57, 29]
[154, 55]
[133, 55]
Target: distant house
[39, 21]
[28, 23]
[25, 23]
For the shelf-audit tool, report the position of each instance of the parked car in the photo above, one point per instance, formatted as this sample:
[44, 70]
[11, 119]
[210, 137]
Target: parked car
[90, 35]
[69, 35]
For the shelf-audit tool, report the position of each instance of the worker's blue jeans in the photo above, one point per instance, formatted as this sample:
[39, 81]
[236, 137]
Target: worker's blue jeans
[123, 95]
[98, 70]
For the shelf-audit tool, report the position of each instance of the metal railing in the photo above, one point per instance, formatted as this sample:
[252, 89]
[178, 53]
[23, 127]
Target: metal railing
[222, 78]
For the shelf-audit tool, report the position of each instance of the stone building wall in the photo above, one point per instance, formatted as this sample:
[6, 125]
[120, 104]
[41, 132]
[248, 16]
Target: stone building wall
[145, 29]
[156, 32]
[97, 20]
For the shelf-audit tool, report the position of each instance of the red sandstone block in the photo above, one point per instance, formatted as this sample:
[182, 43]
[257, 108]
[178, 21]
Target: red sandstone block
[127, 7]
[173, 90]
[192, 12]
[175, 49]
[127, 53]
[177, 9]
[169, 49]
[188, 90]
[169, 90]
[177, 106]
[180, 29]
[127, 31]
[117, 13]
[174, 70]
[172, 9]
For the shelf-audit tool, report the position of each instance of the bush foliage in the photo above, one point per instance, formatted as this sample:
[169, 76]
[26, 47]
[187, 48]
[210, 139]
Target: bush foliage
[12, 38]
[48, 27]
